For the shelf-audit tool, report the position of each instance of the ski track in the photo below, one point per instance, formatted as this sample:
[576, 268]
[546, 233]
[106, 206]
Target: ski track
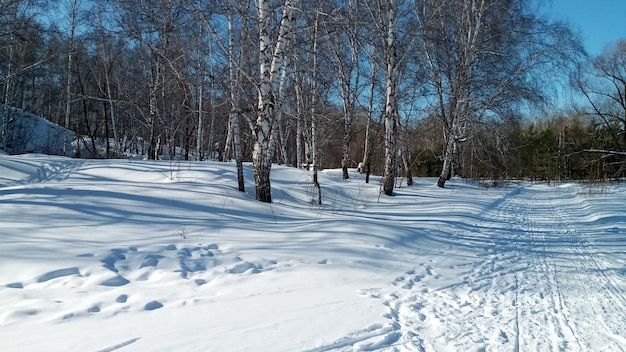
[539, 271]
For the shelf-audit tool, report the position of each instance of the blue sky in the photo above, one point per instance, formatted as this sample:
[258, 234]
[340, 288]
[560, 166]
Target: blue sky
[600, 22]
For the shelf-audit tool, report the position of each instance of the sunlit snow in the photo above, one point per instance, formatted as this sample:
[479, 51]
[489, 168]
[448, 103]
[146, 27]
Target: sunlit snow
[108, 255]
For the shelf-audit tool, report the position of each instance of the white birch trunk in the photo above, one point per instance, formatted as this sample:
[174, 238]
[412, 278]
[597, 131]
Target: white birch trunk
[391, 105]
[269, 68]
[348, 75]
[278, 120]
[313, 114]
[299, 123]
[471, 16]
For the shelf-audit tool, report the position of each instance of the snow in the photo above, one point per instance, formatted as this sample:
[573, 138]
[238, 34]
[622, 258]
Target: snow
[28, 133]
[108, 255]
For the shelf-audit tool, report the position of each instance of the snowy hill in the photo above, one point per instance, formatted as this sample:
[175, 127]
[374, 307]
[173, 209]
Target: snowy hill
[28, 133]
[107, 255]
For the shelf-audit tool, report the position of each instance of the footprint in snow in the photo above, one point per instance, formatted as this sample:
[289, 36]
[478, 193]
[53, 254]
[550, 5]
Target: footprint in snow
[153, 305]
[398, 280]
[115, 281]
[151, 260]
[115, 255]
[370, 292]
[15, 285]
[419, 277]
[244, 267]
[58, 273]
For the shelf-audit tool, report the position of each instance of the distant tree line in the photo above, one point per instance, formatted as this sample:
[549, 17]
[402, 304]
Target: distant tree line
[553, 148]
[399, 87]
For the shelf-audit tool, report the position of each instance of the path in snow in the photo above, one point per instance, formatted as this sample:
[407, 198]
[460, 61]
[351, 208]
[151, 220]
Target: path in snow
[540, 284]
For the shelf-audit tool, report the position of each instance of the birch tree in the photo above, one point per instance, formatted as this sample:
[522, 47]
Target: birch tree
[385, 17]
[603, 83]
[73, 9]
[313, 109]
[485, 57]
[367, 148]
[299, 82]
[271, 56]
[107, 54]
[235, 109]
[345, 48]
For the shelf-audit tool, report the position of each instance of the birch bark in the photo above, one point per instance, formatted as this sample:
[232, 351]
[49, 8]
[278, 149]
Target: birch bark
[271, 56]
[391, 104]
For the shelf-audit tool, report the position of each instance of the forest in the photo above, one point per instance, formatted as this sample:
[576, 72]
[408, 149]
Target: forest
[483, 89]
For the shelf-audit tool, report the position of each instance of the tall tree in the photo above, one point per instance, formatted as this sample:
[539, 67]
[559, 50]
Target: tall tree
[75, 11]
[366, 164]
[271, 56]
[157, 30]
[109, 50]
[21, 57]
[314, 118]
[235, 109]
[483, 57]
[344, 42]
[603, 82]
[385, 16]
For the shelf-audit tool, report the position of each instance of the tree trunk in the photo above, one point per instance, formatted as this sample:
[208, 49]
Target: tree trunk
[109, 92]
[90, 132]
[228, 144]
[269, 68]
[278, 119]
[299, 122]
[446, 171]
[235, 111]
[313, 113]
[391, 105]
[261, 156]
[200, 130]
[345, 148]
[68, 81]
[241, 186]
[106, 132]
[367, 153]
[406, 158]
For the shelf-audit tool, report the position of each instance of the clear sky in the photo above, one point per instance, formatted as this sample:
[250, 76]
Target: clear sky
[600, 22]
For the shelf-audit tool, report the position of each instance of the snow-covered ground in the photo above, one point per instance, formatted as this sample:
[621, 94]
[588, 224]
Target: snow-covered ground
[168, 256]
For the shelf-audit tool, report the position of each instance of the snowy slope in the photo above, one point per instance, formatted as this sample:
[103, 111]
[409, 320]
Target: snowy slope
[28, 133]
[106, 255]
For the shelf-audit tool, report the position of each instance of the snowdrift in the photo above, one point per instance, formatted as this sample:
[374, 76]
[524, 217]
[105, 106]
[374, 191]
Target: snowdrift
[28, 133]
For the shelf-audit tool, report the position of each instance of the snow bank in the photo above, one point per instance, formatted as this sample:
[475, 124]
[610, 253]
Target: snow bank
[28, 133]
